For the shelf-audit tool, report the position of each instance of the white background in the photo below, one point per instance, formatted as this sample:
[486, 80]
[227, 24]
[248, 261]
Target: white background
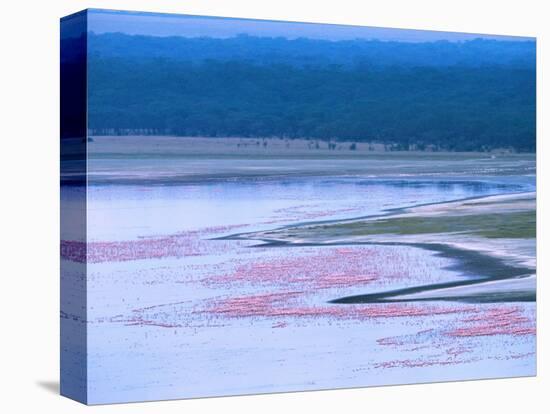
[29, 265]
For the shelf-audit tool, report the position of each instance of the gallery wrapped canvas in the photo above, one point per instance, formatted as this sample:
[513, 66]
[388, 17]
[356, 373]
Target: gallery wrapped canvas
[258, 206]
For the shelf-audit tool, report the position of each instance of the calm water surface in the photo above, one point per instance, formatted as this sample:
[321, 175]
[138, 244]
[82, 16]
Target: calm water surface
[176, 312]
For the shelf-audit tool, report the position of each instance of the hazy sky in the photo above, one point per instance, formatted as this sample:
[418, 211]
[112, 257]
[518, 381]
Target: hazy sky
[157, 24]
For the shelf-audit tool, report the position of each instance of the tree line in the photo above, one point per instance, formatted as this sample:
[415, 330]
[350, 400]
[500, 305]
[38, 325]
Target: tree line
[458, 107]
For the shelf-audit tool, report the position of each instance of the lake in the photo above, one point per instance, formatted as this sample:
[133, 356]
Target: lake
[181, 308]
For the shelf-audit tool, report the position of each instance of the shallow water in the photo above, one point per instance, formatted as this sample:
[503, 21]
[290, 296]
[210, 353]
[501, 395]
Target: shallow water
[175, 312]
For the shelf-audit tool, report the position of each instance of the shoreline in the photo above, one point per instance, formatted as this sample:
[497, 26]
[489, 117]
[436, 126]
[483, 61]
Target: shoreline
[387, 213]
[495, 270]
[117, 145]
[494, 274]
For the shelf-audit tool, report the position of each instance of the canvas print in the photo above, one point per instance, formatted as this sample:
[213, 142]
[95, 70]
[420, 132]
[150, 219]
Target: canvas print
[264, 206]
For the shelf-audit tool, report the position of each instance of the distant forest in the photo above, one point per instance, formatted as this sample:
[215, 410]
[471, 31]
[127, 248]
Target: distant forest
[468, 96]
